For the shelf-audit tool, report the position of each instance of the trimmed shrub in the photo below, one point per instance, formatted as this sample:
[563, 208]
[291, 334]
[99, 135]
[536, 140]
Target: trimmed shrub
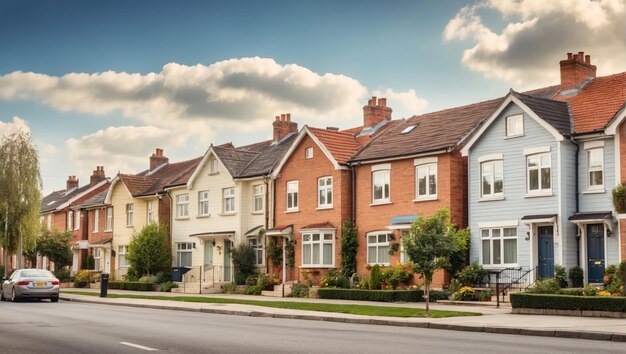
[62, 274]
[571, 291]
[299, 290]
[560, 275]
[152, 279]
[131, 285]
[244, 261]
[472, 275]
[545, 286]
[576, 275]
[568, 302]
[380, 295]
[167, 286]
[375, 277]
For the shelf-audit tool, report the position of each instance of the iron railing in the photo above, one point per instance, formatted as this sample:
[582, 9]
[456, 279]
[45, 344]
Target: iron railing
[511, 279]
[205, 276]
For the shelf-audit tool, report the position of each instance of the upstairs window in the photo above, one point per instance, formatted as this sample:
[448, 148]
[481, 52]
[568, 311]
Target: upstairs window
[213, 166]
[380, 186]
[258, 198]
[595, 167]
[77, 220]
[308, 153]
[130, 212]
[426, 181]
[70, 220]
[150, 211]
[491, 177]
[182, 205]
[228, 200]
[96, 220]
[108, 226]
[538, 174]
[515, 125]
[203, 203]
[325, 192]
[292, 195]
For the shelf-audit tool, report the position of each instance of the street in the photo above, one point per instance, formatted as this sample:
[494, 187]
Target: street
[66, 327]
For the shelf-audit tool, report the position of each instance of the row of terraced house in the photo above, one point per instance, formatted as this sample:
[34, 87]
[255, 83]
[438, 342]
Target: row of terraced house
[530, 173]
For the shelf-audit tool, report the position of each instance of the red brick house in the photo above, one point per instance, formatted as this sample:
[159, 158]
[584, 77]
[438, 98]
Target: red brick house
[313, 185]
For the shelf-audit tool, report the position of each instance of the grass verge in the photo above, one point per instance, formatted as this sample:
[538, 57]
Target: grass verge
[365, 310]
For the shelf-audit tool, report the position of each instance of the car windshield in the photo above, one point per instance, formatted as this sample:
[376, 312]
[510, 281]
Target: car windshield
[36, 273]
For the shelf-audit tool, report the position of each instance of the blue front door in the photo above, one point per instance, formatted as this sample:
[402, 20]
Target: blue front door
[595, 253]
[546, 251]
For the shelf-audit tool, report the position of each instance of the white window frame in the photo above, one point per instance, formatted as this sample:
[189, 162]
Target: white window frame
[595, 169]
[379, 245]
[325, 237]
[130, 214]
[182, 206]
[541, 190]
[97, 258]
[203, 203]
[510, 122]
[228, 194]
[150, 211]
[404, 257]
[108, 225]
[258, 203]
[492, 180]
[96, 220]
[501, 239]
[308, 153]
[70, 220]
[325, 192]
[77, 220]
[385, 197]
[293, 197]
[122, 251]
[184, 248]
[213, 166]
[259, 252]
[431, 170]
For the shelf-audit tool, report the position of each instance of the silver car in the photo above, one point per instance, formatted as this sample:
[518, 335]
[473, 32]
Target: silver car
[30, 283]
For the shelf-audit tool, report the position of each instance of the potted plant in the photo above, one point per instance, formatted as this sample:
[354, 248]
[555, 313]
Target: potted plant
[576, 276]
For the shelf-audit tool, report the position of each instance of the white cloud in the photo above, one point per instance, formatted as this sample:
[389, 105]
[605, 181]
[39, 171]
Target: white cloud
[537, 35]
[404, 104]
[17, 124]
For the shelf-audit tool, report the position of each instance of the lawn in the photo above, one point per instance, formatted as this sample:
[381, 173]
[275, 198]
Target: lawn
[365, 310]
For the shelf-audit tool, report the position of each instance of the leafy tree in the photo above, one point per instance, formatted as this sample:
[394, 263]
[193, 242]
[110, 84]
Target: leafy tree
[55, 245]
[459, 257]
[244, 261]
[149, 251]
[20, 193]
[349, 247]
[429, 245]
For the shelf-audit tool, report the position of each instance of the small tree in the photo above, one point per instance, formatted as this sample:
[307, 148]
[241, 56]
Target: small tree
[56, 246]
[244, 261]
[459, 256]
[149, 251]
[349, 247]
[429, 245]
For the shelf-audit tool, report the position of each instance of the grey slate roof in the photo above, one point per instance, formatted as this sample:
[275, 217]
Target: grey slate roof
[97, 199]
[57, 198]
[555, 113]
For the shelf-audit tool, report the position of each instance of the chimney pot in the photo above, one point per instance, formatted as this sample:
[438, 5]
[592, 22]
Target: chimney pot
[588, 59]
[576, 71]
[581, 56]
[375, 112]
[157, 159]
[283, 126]
[382, 102]
[569, 56]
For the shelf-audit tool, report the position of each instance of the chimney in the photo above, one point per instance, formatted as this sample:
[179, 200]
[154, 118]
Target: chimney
[157, 159]
[97, 176]
[375, 112]
[576, 70]
[283, 126]
[72, 182]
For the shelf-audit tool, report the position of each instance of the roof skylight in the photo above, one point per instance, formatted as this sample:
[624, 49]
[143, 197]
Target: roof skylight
[408, 129]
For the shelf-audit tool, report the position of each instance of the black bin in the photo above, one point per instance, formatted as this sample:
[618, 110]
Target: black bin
[104, 284]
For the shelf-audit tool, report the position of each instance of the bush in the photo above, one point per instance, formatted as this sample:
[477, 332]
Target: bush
[131, 285]
[576, 276]
[464, 294]
[132, 274]
[545, 286]
[149, 251]
[619, 198]
[380, 295]
[560, 275]
[615, 275]
[571, 291]
[82, 276]
[164, 276]
[299, 290]
[375, 277]
[244, 261]
[152, 279]
[590, 290]
[62, 274]
[567, 302]
[253, 290]
[230, 288]
[472, 275]
[167, 286]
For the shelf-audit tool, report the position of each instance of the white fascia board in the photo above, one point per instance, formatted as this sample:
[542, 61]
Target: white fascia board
[611, 129]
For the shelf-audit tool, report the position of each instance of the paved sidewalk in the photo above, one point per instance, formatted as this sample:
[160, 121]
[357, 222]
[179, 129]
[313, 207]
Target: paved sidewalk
[493, 320]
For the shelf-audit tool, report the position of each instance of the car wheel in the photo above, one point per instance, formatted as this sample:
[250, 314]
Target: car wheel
[2, 298]
[54, 299]
[14, 298]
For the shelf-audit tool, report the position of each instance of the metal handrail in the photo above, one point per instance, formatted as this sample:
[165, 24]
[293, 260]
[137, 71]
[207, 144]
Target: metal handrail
[518, 277]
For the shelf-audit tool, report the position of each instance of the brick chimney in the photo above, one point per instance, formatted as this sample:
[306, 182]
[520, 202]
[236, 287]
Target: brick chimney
[72, 182]
[157, 159]
[576, 70]
[375, 112]
[97, 176]
[283, 126]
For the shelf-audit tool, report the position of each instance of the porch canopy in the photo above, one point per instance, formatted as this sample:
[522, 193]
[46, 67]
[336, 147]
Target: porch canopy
[401, 222]
[254, 232]
[80, 245]
[541, 218]
[600, 217]
[280, 230]
[104, 243]
[215, 234]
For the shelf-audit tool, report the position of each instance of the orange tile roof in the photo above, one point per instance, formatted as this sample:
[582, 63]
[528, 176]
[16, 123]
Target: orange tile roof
[341, 145]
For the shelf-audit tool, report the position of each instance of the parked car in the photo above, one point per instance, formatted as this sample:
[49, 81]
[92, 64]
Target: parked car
[30, 283]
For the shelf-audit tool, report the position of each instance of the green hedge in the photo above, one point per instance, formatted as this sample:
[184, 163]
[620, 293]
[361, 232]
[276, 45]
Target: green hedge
[568, 302]
[131, 285]
[379, 295]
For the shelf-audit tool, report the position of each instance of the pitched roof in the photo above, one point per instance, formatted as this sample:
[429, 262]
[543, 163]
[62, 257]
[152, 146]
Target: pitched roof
[432, 131]
[268, 157]
[341, 145]
[97, 199]
[555, 113]
[55, 199]
[235, 160]
[153, 183]
[597, 103]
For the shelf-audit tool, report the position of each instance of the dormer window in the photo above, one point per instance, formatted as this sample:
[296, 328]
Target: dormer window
[514, 125]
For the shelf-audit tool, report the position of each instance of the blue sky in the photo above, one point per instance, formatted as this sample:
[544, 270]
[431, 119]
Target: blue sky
[105, 83]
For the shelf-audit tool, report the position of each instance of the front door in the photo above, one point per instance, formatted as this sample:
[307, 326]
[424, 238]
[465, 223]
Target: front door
[208, 255]
[546, 251]
[595, 252]
[227, 246]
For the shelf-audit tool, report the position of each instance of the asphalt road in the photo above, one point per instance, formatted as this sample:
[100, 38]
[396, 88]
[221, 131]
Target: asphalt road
[65, 327]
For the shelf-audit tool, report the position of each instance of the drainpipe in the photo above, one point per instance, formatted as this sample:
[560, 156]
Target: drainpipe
[353, 181]
[267, 216]
[577, 198]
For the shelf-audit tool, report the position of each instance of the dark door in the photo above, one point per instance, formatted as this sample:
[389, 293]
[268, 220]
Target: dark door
[546, 251]
[595, 252]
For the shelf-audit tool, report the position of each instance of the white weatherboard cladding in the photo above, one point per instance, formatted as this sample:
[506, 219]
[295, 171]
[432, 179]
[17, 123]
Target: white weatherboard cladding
[514, 205]
[568, 206]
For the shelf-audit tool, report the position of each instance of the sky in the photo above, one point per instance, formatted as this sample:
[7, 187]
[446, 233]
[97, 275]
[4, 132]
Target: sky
[106, 83]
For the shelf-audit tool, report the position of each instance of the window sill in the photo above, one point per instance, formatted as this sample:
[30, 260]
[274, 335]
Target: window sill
[109, 230]
[325, 266]
[499, 266]
[182, 218]
[538, 195]
[425, 199]
[513, 136]
[381, 203]
[257, 213]
[129, 226]
[292, 211]
[490, 199]
[203, 216]
[324, 208]
[379, 264]
[594, 191]
[94, 232]
[228, 214]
